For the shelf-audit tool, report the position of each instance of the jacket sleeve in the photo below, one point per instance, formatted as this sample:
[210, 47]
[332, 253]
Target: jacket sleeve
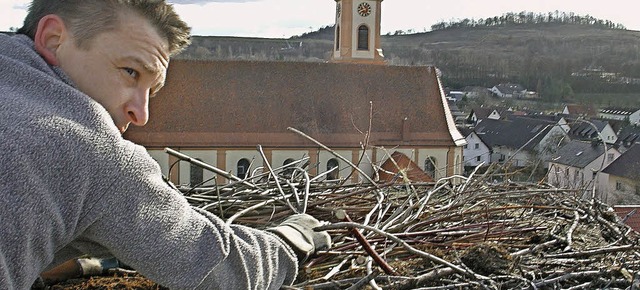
[72, 184]
[151, 227]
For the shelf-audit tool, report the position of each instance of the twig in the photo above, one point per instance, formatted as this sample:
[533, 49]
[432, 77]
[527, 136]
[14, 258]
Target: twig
[366, 176]
[401, 242]
[275, 178]
[594, 252]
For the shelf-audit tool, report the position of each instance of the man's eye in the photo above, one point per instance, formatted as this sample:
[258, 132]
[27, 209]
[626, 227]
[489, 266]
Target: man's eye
[131, 72]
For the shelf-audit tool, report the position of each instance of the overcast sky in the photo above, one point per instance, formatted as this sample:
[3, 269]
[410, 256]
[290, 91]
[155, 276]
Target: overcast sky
[286, 18]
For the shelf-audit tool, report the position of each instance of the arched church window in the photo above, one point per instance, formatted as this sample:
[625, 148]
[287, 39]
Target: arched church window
[289, 170]
[430, 166]
[363, 37]
[333, 163]
[242, 168]
[196, 174]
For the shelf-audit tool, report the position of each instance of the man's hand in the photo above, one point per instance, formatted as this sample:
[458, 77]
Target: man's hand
[297, 231]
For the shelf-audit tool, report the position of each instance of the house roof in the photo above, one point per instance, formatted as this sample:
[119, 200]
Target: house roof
[507, 114]
[584, 130]
[453, 107]
[401, 162]
[628, 136]
[616, 125]
[618, 111]
[578, 153]
[510, 88]
[484, 112]
[481, 113]
[244, 103]
[627, 165]
[551, 118]
[514, 133]
[580, 110]
[465, 131]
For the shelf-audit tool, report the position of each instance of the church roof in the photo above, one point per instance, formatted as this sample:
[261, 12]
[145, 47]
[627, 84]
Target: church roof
[245, 103]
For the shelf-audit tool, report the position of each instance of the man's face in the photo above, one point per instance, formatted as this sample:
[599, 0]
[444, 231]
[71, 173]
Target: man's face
[120, 69]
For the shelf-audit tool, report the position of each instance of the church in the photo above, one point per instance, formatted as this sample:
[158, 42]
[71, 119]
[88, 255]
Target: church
[354, 104]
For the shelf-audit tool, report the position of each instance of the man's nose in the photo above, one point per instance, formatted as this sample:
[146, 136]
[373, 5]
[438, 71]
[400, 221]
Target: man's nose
[137, 109]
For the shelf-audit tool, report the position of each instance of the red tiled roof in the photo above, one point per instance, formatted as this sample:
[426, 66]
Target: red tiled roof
[402, 162]
[633, 212]
[584, 110]
[244, 103]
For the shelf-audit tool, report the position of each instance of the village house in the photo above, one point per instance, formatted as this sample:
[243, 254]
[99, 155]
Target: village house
[473, 92]
[587, 130]
[558, 119]
[575, 110]
[459, 117]
[630, 115]
[509, 90]
[455, 96]
[355, 104]
[479, 113]
[475, 152]
[627, 137]
[511, 113]
[577, 164]
[520, 141]
[620, 183]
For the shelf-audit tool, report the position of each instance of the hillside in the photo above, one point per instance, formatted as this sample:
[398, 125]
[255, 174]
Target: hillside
[563, 62]
[555, 59]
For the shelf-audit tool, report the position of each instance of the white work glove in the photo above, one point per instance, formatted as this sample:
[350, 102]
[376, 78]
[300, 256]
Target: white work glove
[96, 266]
[297, 231]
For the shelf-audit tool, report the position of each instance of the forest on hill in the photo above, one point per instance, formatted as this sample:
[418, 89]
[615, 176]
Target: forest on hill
[557, 54]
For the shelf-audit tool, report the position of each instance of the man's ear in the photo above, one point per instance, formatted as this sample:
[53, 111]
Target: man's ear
[49, 36]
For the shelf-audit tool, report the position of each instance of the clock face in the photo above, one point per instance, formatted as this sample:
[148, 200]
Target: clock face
[338, 9]
[364, 9]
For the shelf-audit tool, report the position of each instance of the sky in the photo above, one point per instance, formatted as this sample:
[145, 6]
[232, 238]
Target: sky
[286, 18]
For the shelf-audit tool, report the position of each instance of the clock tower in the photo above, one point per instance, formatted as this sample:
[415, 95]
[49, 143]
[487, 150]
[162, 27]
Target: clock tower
[357, 35]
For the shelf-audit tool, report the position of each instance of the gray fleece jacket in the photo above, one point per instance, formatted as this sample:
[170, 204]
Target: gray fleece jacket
[71, 185]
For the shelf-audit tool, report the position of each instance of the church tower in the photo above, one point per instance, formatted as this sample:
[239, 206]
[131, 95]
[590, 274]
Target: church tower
[357, 35]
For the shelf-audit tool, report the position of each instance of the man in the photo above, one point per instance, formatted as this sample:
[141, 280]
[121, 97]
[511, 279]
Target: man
[76, 75]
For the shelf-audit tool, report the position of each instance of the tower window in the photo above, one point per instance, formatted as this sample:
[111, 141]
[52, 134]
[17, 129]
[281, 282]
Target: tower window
[337, 37]
[363, 37]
